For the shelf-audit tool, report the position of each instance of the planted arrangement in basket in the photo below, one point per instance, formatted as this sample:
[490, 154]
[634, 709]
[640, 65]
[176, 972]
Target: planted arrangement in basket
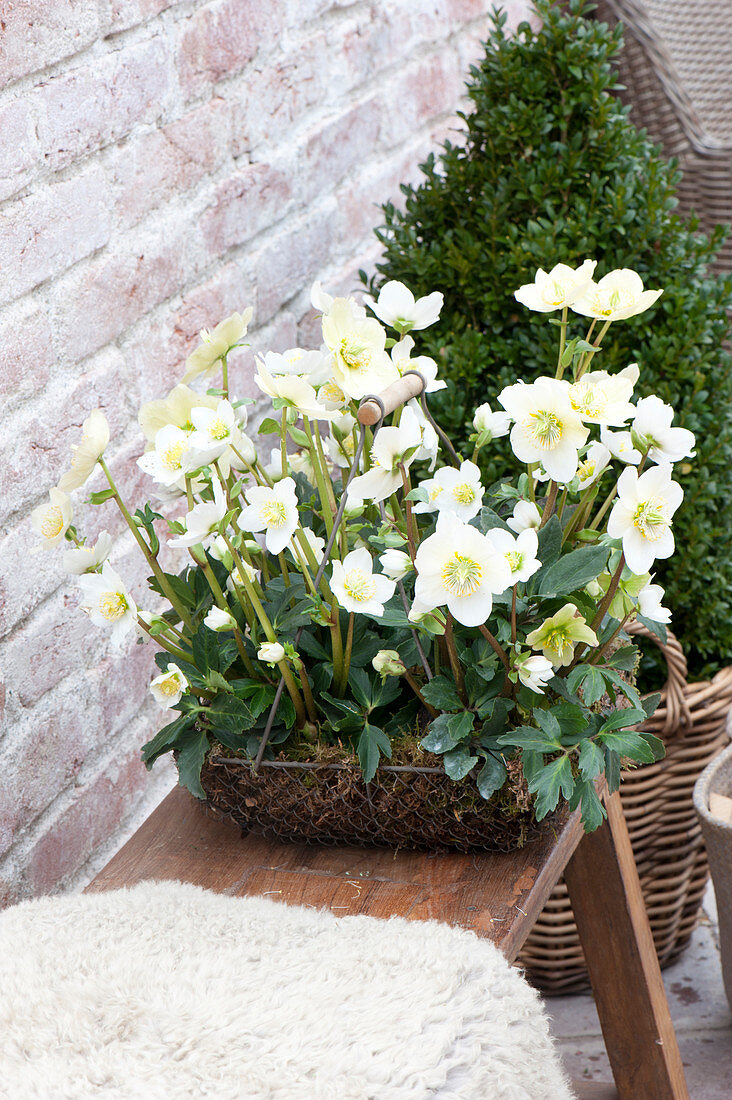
[416, 656]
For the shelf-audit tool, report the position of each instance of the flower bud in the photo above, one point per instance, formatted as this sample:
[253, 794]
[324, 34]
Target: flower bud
[271, 652]
[395, 563]
[387, 662]
[220, 620]
[354, 508]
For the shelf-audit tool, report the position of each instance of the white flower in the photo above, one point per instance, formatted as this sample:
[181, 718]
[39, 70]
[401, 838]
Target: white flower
[273, 511]
[547, 428]
[534, 672]
[525, 515]
[166, 463]
[387, 662]
[620, 445]
[314, 365]
[391, 448]
[235, 578]
[219, 620]
[316, 543]
[174, 409]
[430, 440]
[51, 521]
[357, 587]
[84, 559]
[641, 516]
[593, 464]
[519, 552]
[458, 491]
[295, 389]
[215, 430]
[459, 567]
[203, 519]
[602, 398]
[652, 426]
[85, 455]
[168, 687]
[618, 295]
[108, 603]
[271, 652]
[557, 288]
[395, 563]
[401, 358]
[396, 307]
[340, 451]
[322, 301]
[360, 363]
[247, 450]
[298, 462]
[492, 424]
[216, 344]
[649, 604]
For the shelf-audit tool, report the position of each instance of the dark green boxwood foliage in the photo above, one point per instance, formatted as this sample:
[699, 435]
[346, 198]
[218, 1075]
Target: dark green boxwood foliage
[551, 169]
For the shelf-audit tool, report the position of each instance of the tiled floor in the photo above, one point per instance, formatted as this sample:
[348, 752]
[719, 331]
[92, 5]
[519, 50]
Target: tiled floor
[699, 1010]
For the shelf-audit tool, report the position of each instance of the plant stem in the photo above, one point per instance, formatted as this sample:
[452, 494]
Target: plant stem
[412, 535]
[599, 653]
[343, 681]
[601, 514]
[513, 615]
[416, 689]
[163, 642]
[283, 443]
[457, 671]
[562, 342]
[549, 505]
[608, 597]
[225, 376]
[496, 647]
[320, 479]
[591, 354]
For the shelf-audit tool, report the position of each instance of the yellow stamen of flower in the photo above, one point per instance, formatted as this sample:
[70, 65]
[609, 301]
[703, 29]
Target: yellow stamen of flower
[558, 641]
[435, 493]
[112, 606]
[355, 356]
[171, 686]
[591, 402]
[217, 429]
[461, 575]
[649, 518]
[53, 522]
[546, 429]
[170, 457]
[274, 513]
[464, 493]
[515, 559]
[359, 586]
[332, 392]
[586, 470]
[553, 294]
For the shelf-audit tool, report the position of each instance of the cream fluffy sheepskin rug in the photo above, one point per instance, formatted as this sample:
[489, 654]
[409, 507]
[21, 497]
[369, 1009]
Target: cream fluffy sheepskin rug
[168, 991]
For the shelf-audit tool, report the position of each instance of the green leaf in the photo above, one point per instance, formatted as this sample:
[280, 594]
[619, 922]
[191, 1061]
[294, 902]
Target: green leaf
[167, 738]
[573, 571]
[550, 542]
[371, 743]
[487, 520]
[612, 769]
[526, 737]
[218, 682]
[100, 496]
[553, 779]
[625, 658]
[655, 744]
[461, 725]
[458, 762]
[548, 723]
[227, 712]
[622, 719]
[495, 718]
[629, 744]
[592, 682]
[439, 738]
[192, 753]
[591, 759]
[650, 703]
[442, 694]
[205, 644]
[593, 812]
[360, 684]
[491, 777]
[628, 690]
[268, 426]
[572, 719]
[658, 629]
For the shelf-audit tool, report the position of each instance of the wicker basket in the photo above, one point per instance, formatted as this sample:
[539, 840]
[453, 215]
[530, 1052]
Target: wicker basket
[663, 826]
[329, 803]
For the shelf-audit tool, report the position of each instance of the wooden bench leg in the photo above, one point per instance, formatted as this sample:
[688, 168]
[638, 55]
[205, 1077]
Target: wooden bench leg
[621, 960]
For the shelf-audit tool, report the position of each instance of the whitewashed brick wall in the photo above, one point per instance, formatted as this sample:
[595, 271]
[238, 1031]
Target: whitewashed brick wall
[163, 163]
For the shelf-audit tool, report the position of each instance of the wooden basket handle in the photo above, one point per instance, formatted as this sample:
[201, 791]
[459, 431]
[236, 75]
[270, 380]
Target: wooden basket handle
[673, 711]
[375, 407]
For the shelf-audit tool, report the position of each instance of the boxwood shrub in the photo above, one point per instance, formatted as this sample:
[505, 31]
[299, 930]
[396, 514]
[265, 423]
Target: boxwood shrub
[550, 168]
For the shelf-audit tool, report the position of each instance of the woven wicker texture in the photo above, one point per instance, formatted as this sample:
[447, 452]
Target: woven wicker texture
[677, 70]
[330, 804]
[717, 779]
[664, 830]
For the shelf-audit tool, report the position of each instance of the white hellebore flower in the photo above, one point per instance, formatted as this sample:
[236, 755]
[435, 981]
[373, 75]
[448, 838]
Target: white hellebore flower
[357, 587]
[593, 465]
[203, 519]
[618, 295]
[295, 389]
[387, 662]
[525, 515]
[360, 363]
[461, 568]
[492, 424]
[396, 564]
[216, 344]
[167, 462]
[534, 672]
[547, 428]
[401, 357]
[108, 603]
[519, 552]
[85, 455]
[315, 542]
[557, 288]
[215, 430]
[601, 398]
[85, 559]
[271, 652]
[650, 599]
[168, 687]
[219, 620]
[175, 409]
[652, 427]
[273, 511]
[314, 365]
[641, 516]
[51, 521]
[391, 448]
[458, 491]
[620, 445]
[396, 307]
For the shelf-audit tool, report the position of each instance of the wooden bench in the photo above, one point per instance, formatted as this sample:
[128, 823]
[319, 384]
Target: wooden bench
[495, 895]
